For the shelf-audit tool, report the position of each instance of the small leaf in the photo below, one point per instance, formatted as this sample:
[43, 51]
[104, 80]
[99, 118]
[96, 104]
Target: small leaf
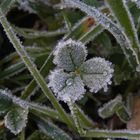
[110, 107]
[125, 20]
[52, 130]
[67, 87]
[97, 74]
[15, 120]
[5, 102]
[69, 55]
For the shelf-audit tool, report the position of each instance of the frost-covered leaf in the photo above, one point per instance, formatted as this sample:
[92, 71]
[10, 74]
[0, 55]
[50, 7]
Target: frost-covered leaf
[67, 87]
[70, 54]
[97, 73]
[16, 118]
[5, 102]
[125, 20]
[52, 130]
[110, 107]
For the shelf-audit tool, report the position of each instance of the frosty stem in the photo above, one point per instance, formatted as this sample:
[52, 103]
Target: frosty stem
[74, 113]
[126, 134]
[31, 67]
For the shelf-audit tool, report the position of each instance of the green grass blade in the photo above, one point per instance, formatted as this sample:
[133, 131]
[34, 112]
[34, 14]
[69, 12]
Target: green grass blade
[113, 28]
[31, 67]
[123, 16]
[125, 134]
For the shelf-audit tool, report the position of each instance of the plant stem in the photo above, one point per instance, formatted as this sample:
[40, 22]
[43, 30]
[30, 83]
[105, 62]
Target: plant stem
[126, 134]
[22, 135]
[31, 67]
[74, 113]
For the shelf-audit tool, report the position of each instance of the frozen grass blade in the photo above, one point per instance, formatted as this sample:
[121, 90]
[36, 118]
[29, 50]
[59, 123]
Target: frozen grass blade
[32, 85]
[32, 68]
[108, 24]
[123, 16]
[126, 134]
[33, 34]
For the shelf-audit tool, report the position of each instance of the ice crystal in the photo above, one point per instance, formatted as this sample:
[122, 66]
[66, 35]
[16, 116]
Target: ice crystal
[70, 54]
[73, 73]
[67, 87]
[96, 74]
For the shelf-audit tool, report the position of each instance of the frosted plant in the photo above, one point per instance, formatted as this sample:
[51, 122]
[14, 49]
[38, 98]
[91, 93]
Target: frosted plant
[15, 111]
[67, 57]
[74, 72]
[96, 73]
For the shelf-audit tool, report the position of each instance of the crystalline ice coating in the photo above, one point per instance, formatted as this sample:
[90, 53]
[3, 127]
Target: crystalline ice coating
[69, 82]
[69, 55]
[72, 73]
[97, 74]
[16, 119]
[66, 86]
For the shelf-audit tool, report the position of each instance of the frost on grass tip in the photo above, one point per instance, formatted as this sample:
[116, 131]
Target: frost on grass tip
[73, 72]
[70, 54]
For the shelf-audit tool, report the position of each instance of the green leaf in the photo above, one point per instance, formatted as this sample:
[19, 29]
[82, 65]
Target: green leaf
[5, 102]
[67, 87]
[96, 73]
[52, 130]
[16, 119]
[110, 107]
[69, 55]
